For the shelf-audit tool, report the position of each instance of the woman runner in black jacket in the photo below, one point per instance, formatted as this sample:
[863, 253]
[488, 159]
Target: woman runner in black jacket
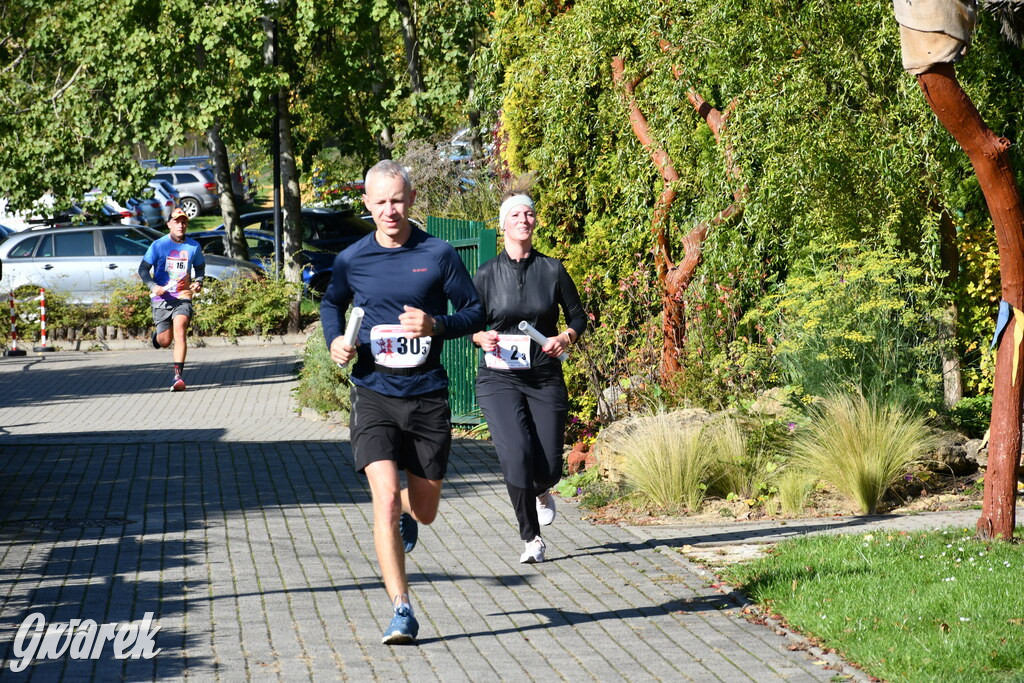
[519, 385]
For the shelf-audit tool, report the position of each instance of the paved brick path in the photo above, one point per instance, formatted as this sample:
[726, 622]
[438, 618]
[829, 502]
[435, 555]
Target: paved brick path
[246, 531]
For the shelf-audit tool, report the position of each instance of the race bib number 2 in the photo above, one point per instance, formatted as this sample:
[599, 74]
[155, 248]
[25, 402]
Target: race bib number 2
[393, 349]
[511, 353]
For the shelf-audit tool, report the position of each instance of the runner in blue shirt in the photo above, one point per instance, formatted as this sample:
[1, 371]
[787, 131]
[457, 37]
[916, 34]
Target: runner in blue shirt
[403, 279]
[167, 270]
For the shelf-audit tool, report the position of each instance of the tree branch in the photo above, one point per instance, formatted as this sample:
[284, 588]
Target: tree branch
[662, 161]
[60, 91]
[16, 61]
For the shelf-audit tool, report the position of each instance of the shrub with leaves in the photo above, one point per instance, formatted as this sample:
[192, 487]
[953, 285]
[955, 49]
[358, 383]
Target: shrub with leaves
[451, 189]
[973, 414]
[241, 306]
[129, 306]
[60, 313]
[834, 143]
[742, 467]
[322, 386]
[861, 446]
[857, 317]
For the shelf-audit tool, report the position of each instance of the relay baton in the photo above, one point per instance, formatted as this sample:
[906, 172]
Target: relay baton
[536, 336]
[355, 320]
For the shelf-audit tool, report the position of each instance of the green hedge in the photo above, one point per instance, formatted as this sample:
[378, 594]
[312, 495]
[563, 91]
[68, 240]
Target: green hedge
[323, 386]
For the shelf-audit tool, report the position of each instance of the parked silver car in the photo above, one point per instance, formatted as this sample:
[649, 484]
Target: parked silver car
[84, 261]
[196, 185]
[149, 210]
[167, 195]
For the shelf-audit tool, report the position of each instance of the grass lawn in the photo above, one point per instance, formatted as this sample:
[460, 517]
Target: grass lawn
[934, 606]
[210, 221]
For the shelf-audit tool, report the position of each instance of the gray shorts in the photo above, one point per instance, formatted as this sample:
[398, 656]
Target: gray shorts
[165, 311]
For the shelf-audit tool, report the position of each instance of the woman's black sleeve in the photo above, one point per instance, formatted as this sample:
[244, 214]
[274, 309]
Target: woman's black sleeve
[480, 282]
[572, 307]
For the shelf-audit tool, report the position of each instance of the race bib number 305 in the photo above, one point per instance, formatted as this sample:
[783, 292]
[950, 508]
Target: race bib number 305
[511, 353]
[393, 349]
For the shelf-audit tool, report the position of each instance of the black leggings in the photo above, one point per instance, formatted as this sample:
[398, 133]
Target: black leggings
[527, 424]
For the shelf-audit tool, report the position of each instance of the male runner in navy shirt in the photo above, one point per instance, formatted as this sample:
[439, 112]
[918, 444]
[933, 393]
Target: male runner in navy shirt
[403, 279]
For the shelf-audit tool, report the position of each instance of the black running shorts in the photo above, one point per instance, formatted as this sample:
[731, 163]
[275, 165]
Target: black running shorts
[413, 431]
[164, 312]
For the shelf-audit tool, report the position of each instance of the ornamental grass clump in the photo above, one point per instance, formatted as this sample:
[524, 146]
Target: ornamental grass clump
[794, 487]
[667, 465]
[861, 446]
[739, 467]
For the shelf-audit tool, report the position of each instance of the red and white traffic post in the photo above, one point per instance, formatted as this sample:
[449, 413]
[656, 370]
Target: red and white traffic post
[14, 350]
[43, 346]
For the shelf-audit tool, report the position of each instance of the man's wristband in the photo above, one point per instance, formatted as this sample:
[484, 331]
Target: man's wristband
[439, 328]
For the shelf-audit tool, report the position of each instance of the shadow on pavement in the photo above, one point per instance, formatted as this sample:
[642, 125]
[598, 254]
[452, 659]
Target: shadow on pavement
[553, 618]
[762, 533]
[84, 517]
[39, 382]
[375, 583]
[83, 580]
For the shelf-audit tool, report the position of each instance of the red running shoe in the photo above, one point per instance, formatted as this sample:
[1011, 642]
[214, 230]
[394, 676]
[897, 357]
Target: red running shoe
[179, 384]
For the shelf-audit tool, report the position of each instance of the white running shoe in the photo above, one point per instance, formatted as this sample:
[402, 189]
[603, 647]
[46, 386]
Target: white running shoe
[545, 508]
[534, 551]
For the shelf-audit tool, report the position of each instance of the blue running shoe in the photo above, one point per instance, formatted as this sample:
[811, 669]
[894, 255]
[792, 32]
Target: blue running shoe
[403, 628]
[409, 531]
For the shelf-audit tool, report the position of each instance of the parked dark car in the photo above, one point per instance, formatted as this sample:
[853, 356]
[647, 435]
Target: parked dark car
[317, 263]
[325, 229]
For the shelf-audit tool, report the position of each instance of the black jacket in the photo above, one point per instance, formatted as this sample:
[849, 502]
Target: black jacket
[532, 290]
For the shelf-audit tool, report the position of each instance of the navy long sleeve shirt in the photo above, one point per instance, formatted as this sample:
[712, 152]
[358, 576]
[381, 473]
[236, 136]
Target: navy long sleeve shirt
[425, 273]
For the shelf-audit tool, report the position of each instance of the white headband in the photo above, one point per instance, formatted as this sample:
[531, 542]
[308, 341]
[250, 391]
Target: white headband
[509, 204]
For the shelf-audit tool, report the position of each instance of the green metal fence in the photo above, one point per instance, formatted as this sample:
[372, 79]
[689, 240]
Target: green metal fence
[475, 244]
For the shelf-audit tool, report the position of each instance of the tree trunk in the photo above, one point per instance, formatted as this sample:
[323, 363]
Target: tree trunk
[952, 377]
[385, 138]
[475, 139]
[412, 46]
[949, 254]
[990, 158]
[385, 143]
[292, 205]
[672, 313]
[234, 239]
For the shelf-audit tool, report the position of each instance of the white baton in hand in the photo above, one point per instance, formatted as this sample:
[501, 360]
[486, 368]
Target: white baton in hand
[536, 336]
[355, 321]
